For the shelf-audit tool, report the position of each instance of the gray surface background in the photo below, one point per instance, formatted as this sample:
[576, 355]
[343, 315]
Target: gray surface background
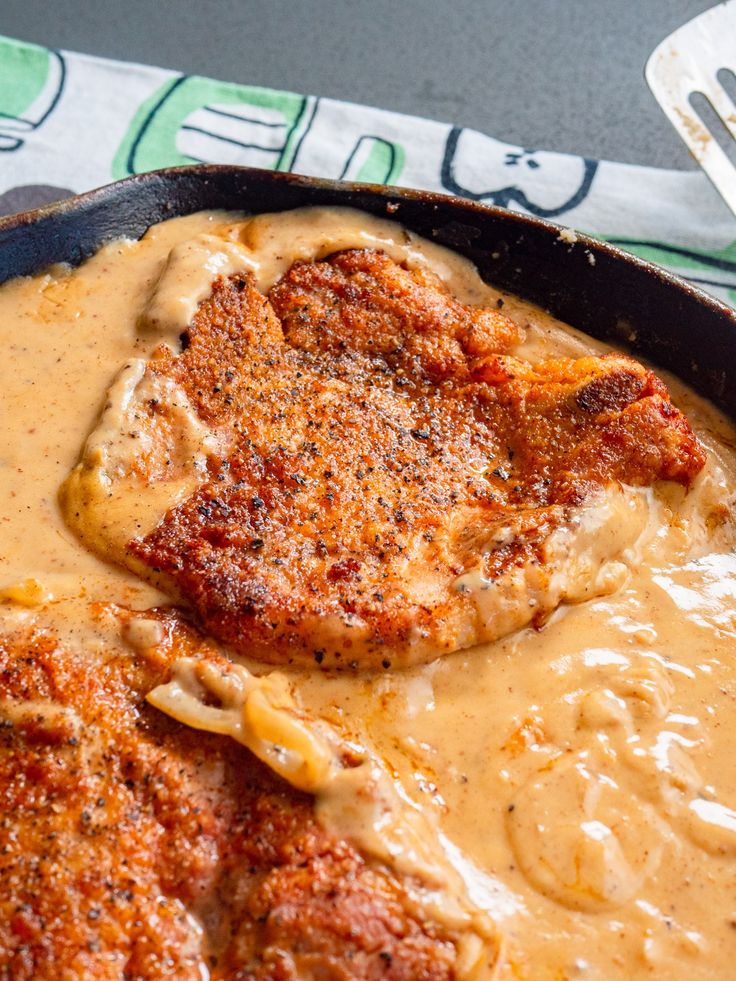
[555, 74]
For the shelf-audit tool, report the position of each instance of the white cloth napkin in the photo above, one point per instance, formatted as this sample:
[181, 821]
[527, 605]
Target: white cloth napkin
[71, 122]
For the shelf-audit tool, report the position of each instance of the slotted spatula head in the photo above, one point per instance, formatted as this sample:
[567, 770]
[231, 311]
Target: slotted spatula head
[688, 63]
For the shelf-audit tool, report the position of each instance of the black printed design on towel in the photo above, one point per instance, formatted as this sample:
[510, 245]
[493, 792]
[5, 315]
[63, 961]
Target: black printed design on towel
[528, 168]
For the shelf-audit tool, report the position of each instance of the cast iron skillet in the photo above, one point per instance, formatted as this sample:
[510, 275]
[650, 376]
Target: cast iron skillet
[593, 286]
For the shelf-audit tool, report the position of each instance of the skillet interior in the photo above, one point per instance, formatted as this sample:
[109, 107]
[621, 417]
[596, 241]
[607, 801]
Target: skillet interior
[593, 286]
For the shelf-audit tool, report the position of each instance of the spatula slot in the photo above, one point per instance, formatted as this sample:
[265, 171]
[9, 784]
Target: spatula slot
[713, 122]
[727, 80]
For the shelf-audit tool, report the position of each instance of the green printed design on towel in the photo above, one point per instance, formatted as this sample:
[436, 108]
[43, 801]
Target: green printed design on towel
[381, 163]
[666, 255]
[718, 266]
[31, 82]
[714, 268]
[197, 120]
[24, 69]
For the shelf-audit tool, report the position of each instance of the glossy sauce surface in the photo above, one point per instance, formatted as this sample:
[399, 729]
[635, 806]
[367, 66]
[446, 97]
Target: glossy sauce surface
[583, 772]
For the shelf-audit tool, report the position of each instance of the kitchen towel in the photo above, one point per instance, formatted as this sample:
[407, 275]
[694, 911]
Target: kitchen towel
[70, 122]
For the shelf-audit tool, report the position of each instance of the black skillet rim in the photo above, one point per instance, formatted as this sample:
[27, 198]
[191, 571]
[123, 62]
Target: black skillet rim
[597, 287]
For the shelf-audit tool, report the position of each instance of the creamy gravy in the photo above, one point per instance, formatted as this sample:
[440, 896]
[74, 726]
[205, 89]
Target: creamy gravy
[582, 774]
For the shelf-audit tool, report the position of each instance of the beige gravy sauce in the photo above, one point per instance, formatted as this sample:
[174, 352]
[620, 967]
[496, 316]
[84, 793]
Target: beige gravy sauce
[582, 776]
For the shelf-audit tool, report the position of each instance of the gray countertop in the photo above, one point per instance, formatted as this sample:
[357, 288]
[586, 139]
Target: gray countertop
[559, 74]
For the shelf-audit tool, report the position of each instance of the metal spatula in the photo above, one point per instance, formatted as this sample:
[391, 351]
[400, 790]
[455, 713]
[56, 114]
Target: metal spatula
[687, 73]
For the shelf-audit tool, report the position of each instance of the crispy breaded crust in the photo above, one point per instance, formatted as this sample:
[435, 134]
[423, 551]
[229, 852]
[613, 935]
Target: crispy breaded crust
[366, 403]
[116, 822]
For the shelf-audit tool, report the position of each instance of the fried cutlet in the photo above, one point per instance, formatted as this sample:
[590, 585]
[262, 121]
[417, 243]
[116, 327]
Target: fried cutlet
[387, 457]
[134, 847]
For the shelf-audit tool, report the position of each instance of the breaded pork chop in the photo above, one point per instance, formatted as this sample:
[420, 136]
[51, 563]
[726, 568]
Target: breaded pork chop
[134, 847]
[397, 485]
